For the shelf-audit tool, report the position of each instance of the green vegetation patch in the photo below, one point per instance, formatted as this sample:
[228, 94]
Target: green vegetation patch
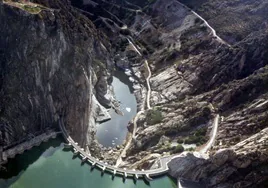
[177, 149]
[32, 9]
[198, 138]
[154, 116]
[180, 141]
[190, 149]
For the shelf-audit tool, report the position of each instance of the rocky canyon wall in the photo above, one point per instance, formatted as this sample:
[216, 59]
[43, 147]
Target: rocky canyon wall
[53, 64]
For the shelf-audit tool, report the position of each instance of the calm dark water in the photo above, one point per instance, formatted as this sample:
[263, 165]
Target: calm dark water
[48, 166]
[113, 132]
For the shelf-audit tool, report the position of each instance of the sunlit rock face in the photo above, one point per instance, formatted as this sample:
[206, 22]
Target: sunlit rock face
[196, 76]
[52, 65]
[56, 64]
[243, 165]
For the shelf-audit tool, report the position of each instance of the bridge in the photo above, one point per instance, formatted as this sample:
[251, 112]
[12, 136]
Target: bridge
[26, 145]
[105, 167]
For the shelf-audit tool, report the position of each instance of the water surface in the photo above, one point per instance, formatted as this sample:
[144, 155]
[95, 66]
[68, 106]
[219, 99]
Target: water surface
[48, 166]
[113, 132]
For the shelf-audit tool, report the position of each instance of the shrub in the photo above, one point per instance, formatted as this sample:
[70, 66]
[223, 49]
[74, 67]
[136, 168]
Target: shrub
[190, 149]
[154, 116]
[237, 139]
[201, 132]
[180, 141]
[198, 21]
[206, 111]
[194, 139]
[191, 139]
[178, 149]
[31, 9]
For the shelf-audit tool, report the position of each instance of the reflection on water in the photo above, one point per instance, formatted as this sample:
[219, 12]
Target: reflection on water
[113, 132]
[48, 166]
[17, 166]
[21, 162]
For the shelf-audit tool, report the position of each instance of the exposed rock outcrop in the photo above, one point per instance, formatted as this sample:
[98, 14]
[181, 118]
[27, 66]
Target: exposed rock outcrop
[243, 165]
[195, 75]
[53, 64]
[64, 71]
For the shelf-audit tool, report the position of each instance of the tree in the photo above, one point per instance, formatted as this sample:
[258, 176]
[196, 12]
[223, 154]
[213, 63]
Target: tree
[154, 116]
[178, 149]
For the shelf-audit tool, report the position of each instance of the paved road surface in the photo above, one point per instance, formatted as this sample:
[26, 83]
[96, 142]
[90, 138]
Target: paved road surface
[213, 136]
[123, 153]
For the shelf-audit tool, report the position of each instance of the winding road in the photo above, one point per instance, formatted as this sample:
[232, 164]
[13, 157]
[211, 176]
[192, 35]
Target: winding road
[212, 29]
[202, 151]
[213, 135]
[148, 85]
[214, 33]
[123, 153]
[216, 120]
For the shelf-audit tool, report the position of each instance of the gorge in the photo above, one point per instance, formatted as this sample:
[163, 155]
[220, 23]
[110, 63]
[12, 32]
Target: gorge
[198, 71]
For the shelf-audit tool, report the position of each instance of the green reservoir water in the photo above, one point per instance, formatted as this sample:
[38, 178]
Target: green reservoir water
[49, 166]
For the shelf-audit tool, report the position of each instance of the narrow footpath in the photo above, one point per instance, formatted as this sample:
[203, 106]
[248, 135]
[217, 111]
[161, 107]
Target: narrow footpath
[148, 85]
[216, 121]
[123, 153]
[214, 33]
[213, 135]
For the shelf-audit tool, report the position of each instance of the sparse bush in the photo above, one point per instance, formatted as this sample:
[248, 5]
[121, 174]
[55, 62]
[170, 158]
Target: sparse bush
[154, 116]
[201, 132]
[180, 141]
[206, 111]
[178, 149]
[191, 140]
[237, 139]
[196, 139]
[198, 21]
[190, 149]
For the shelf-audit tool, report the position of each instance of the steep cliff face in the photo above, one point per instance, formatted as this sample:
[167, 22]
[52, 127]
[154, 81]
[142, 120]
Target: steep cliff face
[53, 64]
[233, 20]
[192, 68]
[56, 64]
[243, 165]
[199, 69]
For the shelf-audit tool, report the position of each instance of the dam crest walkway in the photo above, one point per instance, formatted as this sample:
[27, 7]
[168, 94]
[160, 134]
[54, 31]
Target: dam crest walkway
[105, 167]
